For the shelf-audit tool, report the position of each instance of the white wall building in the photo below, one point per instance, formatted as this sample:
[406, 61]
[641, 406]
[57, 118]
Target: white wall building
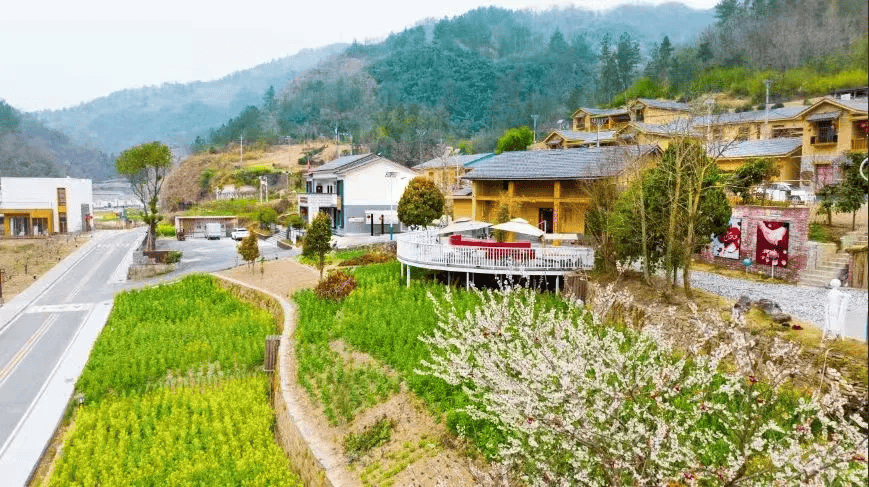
[360, 193]
[41, 206]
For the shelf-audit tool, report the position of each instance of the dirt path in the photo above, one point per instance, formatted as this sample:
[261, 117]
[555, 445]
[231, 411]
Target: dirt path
[421, 452]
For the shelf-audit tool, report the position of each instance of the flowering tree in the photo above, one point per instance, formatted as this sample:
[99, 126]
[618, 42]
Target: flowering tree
[581, 403]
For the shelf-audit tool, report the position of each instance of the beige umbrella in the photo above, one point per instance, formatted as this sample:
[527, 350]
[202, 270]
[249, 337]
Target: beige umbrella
[463, 225]
[519, 225]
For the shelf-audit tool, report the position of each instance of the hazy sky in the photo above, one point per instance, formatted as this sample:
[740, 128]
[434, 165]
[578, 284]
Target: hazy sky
[58, 53]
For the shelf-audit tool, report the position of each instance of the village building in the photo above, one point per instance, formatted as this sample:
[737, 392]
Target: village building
[360, 193]
[548, 188]
[785, 152]
[42, 206]
[832, 127]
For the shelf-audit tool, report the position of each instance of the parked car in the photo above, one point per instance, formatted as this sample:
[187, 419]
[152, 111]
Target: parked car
[213, 231]
[784, 192]
[239, 233]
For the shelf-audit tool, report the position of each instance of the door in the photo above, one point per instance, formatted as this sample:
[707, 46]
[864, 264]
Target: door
[545, 220]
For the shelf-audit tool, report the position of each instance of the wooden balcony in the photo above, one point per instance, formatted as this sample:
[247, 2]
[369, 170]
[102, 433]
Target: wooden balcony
[421, 250]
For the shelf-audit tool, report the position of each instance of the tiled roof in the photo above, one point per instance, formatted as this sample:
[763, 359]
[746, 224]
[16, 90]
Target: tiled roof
[857, 104]
[452, 161]
[757, 148]
[344, 163]
[606, 112]
[820, 116]
[775, 114]
[674, 128]
[584, 163]
[665, 104]
[574, 136]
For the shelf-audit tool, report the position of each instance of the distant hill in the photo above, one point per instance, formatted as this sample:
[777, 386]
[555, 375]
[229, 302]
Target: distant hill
[466, 77]
[174, 112]
[30, 149]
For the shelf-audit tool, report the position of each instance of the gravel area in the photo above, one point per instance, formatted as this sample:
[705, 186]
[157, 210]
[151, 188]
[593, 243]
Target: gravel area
[803, 302]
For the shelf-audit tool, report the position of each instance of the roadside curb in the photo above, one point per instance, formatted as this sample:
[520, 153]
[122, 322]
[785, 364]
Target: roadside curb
[317, 459]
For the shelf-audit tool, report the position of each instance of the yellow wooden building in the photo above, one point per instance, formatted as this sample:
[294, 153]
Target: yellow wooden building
[659, 112]
[784, 151]
[566, 139]
[548, 188]
[832, 128]
[447, 172]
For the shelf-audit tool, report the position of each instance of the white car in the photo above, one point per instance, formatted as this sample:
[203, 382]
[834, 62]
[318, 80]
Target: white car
[784, 192]
[239, 233]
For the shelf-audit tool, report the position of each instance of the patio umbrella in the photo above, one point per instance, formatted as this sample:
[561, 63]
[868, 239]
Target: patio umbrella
[463, 225]
[518, 225]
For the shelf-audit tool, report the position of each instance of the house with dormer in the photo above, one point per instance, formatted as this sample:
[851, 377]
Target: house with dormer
[832, 127]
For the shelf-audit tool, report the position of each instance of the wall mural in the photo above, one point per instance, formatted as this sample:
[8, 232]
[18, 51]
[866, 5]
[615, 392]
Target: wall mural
[727, 244]
[772, 243]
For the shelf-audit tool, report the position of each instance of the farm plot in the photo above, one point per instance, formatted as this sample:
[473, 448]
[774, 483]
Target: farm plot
[173, 395]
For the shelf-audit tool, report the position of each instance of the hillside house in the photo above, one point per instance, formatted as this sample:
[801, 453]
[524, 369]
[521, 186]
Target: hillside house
[832, 127]
[41, 206]
[785, 152]
[548, 188]
[658, 112]
[359, 193]
[568, 139]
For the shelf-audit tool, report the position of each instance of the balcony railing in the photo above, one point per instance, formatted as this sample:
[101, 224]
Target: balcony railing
[419, 249]
[320, 200]
[858, 144]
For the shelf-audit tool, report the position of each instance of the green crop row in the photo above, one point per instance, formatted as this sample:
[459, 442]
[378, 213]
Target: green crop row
[384, 319]
[218, 435]
[168, 330]
[175, 395]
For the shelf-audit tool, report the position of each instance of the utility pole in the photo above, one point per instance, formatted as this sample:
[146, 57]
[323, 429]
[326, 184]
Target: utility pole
[709, 102]
[767, 82]
[241, 149]
[534, 117]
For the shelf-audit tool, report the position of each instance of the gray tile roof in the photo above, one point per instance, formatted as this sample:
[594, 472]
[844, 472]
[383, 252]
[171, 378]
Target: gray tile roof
[757, 148]
[573, 136]
[606, 112]
[452, 161]
[665, 104]
[674, 128]
[342, 164]
[857, 104]
[775, 114]
[583, 163]
[819, 116]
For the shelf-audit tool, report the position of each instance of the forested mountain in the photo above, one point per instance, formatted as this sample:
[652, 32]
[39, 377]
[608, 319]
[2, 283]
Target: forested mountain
[30, 149]
[465, 77]
[173, 112]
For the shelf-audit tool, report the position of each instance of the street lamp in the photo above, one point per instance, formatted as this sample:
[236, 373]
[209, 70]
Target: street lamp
[534, 117]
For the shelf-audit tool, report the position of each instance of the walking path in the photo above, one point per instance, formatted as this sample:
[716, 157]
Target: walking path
[803, 302]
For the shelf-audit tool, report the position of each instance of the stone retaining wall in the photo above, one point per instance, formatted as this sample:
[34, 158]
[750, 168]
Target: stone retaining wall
[314, 458]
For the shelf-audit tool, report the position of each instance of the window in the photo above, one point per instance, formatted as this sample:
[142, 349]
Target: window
[826, 132]
[307, 186]
[742, 133]
[329, 188]
[61, 196]
[319, 188]
[638, 115]
[580, 123]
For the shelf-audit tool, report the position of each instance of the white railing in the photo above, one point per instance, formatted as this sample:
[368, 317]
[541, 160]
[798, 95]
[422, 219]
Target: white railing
[425, 251]
[320, 199]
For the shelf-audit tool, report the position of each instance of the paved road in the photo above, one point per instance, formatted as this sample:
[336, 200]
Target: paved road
[47, 331]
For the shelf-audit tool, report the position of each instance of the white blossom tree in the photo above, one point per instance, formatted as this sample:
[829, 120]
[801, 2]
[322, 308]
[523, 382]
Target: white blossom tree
[581, 403]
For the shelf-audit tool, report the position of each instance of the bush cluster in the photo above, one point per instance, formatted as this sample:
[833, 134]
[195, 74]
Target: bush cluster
[336, 286]
[369, 258]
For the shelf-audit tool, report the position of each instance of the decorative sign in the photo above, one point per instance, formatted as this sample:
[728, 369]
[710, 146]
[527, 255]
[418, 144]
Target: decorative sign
[772, 243]
[356, 219]
[727, 245]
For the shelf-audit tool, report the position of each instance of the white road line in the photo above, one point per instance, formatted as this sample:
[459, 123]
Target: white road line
[59, 308]
[25, 349]
[119, 276]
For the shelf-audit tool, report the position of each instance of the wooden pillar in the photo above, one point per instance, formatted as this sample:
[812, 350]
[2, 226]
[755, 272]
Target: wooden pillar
[556, 283]
[408, 276]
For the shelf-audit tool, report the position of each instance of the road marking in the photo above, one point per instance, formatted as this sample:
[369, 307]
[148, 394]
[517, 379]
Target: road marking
[23, 351]
[59, 308]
